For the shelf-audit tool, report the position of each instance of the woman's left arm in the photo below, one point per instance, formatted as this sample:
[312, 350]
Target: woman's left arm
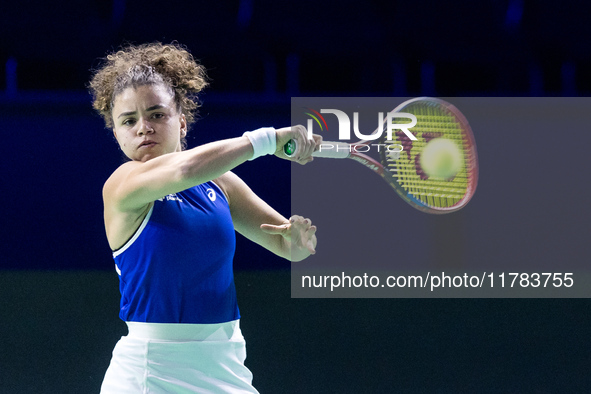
[292, 239]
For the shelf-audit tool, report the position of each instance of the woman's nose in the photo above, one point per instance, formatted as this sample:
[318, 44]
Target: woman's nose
[145, 127]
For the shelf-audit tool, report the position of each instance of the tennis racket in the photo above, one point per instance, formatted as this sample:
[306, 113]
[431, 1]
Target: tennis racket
[399, 163]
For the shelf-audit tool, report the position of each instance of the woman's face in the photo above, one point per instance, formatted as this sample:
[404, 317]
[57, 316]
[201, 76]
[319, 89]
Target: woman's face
[147, 123]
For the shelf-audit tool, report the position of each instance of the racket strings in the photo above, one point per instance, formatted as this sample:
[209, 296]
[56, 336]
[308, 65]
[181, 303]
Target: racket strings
[432, 122]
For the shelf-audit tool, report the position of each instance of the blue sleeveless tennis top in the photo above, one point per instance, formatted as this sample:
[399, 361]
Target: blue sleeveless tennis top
[177, 268]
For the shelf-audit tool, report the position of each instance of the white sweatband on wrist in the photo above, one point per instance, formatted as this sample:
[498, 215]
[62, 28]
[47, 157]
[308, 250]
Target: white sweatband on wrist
[263, 140]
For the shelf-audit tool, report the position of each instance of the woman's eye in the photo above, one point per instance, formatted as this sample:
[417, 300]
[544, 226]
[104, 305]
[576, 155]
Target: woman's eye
[128, 122]
[157, 116]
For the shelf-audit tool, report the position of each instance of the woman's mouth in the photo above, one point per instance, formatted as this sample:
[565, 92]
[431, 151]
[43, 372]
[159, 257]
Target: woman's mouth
[147, 144]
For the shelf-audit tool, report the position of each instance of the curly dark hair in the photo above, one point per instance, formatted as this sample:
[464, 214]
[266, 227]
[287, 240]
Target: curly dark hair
[147, 64]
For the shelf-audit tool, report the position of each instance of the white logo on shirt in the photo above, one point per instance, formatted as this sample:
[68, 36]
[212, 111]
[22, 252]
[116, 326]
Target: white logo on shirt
[211, 194]
[171, 197]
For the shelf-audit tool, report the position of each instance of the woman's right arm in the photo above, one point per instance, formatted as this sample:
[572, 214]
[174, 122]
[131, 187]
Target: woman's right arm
[135, 184]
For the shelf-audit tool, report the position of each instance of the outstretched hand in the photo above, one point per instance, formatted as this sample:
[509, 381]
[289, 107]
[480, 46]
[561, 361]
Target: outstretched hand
[299, 233]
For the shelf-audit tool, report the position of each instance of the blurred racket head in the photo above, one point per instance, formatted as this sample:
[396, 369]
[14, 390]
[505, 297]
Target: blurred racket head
[436, 118]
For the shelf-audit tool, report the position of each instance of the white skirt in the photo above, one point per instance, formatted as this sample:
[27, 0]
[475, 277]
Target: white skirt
[179, 358]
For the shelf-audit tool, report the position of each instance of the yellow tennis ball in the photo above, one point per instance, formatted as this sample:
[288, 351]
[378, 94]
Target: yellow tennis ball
[441, 158]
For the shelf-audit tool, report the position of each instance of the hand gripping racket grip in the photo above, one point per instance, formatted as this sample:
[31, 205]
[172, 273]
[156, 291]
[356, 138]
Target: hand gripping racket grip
[328, 149]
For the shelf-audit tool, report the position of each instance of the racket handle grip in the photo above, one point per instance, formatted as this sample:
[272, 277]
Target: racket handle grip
[290, 148]
[328, 149]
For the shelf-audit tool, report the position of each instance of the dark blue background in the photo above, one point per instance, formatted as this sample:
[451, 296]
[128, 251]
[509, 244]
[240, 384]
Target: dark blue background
[59, 311]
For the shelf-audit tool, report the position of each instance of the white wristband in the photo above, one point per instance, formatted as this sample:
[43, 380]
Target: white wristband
[263, 140]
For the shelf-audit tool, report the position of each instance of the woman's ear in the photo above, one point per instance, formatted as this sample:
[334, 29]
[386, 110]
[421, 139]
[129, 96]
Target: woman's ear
[183, 125]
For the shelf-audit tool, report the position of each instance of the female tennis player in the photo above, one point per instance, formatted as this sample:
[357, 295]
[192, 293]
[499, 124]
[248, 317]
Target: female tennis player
[170, 216]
